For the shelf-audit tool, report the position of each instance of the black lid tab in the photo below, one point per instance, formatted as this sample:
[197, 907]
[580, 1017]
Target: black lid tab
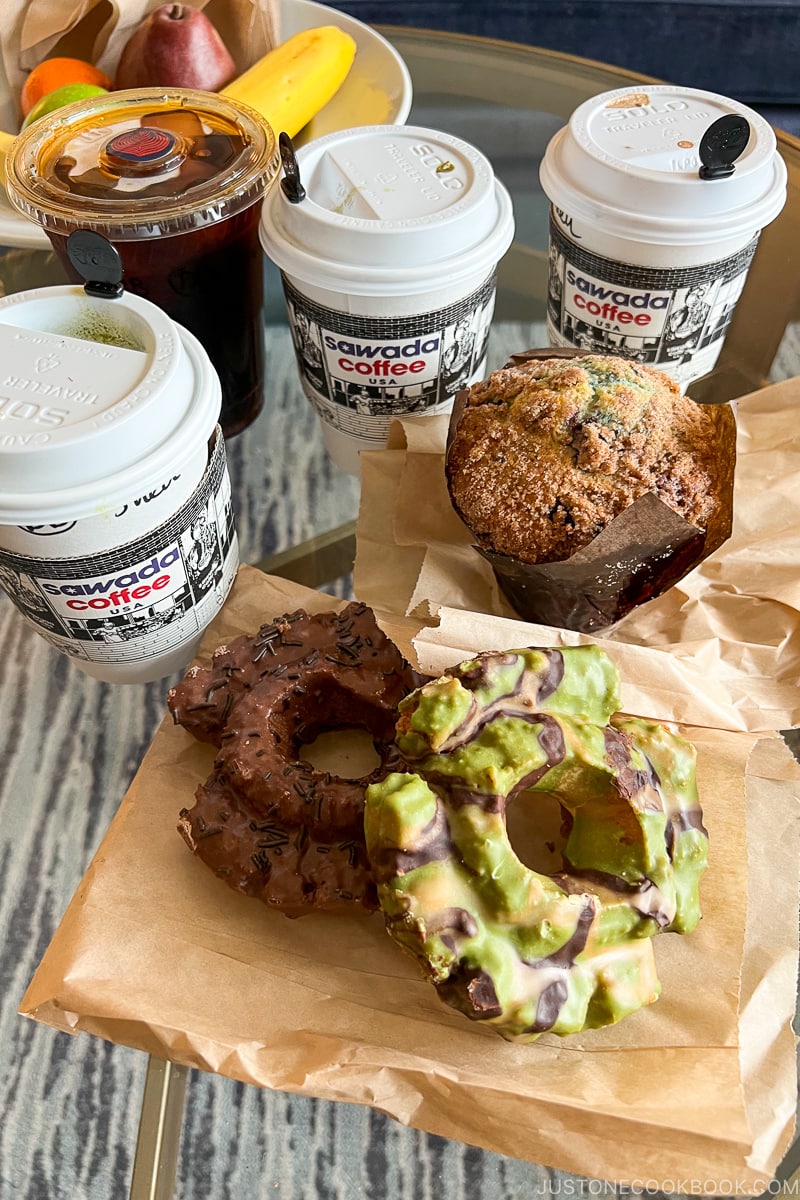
[721, 144]
[96, 261]
[291, 186]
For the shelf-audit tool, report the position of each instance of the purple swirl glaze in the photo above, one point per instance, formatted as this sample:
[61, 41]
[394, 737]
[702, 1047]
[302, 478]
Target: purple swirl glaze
[565, 955]
[550, 738]
[629, 794]
[434, 844]
[644, 896]
[471, 991]
[481, 674]
[458, 795]
[452, 920]
[553, 997]
[630, 780]
[483, 669]
[680, 822]
[549, 1005]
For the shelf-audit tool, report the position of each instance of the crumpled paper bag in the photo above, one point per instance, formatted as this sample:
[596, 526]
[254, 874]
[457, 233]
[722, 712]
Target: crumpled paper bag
[155, 953]
[727, 636]
[97, 30]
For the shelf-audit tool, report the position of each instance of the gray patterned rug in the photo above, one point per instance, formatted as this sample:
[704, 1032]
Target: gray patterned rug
[69, 747]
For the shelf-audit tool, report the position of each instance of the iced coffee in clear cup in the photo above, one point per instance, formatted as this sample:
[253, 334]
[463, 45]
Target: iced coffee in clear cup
[173, 179]
[658, 195]
[117, 538]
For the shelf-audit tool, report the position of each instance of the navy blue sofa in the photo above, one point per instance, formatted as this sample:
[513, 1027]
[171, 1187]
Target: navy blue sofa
[741, 48]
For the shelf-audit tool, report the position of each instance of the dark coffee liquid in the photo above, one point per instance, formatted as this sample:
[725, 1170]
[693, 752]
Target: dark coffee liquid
[209, 280]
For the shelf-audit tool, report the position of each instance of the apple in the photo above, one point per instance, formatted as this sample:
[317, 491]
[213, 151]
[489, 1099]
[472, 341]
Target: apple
[175, 46]
[61, 96]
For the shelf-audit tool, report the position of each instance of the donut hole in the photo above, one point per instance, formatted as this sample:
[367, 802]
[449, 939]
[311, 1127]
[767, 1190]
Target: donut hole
[332, 727]
[535, 825]
[348, 753]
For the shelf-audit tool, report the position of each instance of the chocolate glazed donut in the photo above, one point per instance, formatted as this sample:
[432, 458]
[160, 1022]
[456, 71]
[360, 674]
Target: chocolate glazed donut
[523, 951]
[266, 821]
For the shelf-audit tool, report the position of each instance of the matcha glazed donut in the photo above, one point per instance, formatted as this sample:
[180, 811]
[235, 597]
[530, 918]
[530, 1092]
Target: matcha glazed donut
[523, 951]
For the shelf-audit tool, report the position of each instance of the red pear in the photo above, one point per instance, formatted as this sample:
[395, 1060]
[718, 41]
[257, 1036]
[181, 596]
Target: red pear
[175, 46]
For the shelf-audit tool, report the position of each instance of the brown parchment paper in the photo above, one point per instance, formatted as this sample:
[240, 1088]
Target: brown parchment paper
[155, 953]
[97, 30]
[728, 634]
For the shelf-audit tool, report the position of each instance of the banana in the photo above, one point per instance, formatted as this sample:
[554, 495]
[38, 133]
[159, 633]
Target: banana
[291, 83]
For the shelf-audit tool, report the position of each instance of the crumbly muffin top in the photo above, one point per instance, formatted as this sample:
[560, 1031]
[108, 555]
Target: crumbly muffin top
[548, 452]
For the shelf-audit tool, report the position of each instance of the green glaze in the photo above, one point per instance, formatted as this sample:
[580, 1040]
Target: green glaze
[503, 943]
[406, 806]
[674, 761]
[436, 713]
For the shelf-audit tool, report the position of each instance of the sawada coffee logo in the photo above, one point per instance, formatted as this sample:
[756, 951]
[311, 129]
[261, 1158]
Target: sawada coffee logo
[592, 297]
[382, 360]
[117, 591]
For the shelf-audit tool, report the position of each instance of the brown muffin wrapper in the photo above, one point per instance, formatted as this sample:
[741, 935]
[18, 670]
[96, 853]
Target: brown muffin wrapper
[639, 555]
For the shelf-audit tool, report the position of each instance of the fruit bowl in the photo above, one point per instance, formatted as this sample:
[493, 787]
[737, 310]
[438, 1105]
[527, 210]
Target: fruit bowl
[376, 92]
[378, 89]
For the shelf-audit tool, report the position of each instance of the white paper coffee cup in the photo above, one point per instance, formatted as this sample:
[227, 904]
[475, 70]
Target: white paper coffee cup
[116, 531]
[388, 269]
[648, 259]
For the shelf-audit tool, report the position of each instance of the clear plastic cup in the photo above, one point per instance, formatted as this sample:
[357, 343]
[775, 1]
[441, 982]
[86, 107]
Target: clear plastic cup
[173, 178]
[648, 257]
[388, 268]
[117, 538]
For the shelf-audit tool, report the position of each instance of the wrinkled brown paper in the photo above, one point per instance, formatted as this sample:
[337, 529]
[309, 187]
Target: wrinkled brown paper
[97, 30]
[157, 954]
[727, 635]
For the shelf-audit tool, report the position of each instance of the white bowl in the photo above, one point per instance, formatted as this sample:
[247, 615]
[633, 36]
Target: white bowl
[378, 89]
[376, 92]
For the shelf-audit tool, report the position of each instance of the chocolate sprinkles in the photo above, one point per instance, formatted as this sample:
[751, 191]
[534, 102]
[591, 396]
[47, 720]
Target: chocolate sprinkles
[262, 700]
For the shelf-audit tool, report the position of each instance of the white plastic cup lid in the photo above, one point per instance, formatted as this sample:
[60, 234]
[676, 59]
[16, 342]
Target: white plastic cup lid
[99, 397]
[628, 162]
[389, 208]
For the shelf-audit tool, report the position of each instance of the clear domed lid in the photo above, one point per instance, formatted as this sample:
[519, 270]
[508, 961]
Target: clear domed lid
[133, 164]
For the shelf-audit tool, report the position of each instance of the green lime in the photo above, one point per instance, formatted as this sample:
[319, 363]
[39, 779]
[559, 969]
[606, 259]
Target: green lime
[67, 94]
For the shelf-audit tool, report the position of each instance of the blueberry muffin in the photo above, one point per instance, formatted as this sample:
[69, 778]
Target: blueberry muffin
[546, 452]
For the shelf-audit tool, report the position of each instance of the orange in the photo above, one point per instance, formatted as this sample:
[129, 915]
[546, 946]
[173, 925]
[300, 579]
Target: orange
[55, 73]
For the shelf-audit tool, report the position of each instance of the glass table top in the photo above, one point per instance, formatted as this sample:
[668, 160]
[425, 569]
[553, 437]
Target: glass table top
[69, 1109]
